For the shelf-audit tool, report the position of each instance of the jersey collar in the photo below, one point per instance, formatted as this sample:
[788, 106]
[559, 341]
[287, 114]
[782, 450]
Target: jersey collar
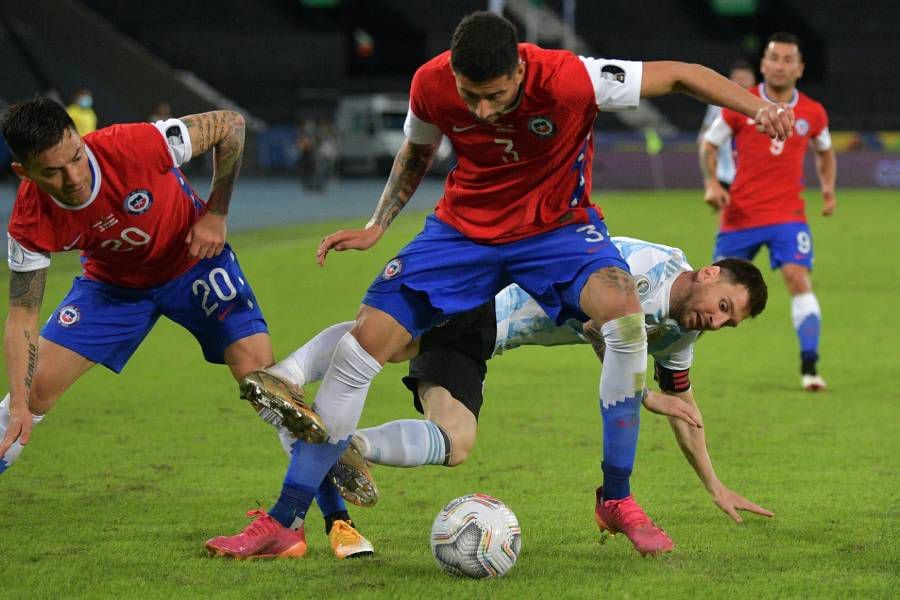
[794, 99]
[96, 178]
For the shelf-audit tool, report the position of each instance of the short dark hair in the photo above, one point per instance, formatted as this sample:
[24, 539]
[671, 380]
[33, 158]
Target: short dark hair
[783, 37]
[741, 65]
[743, 272]
[31, 127]
[484, 46]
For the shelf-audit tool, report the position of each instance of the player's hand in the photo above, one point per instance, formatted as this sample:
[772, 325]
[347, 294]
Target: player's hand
[731, 502]
[776, 121]
[673, 406]
[829, 203]
[207, 236]
[349, 239]
[19, 427]
[716, 196]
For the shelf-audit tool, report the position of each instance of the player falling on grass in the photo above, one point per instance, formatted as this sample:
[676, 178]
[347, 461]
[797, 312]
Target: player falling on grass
[447, 373]
[149, 247]
[764, 206]
[516, 209]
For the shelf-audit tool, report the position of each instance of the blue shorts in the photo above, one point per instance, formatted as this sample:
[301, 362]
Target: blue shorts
[106, 323]
[442, 272]
[789, 243]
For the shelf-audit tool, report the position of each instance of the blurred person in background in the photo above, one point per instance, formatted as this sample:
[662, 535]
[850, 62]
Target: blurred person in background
[764, 206]
[81, 110]
[741, 73]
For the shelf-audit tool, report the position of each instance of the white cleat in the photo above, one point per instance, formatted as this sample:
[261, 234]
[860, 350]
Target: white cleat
[813, 383]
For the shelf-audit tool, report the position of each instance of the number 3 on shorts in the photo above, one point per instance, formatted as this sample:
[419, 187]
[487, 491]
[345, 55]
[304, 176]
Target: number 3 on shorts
[224, 290]
[590, 233]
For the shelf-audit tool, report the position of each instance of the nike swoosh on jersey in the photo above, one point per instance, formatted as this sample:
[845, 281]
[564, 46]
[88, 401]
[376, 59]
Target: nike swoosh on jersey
[72, 245]
[461, 129]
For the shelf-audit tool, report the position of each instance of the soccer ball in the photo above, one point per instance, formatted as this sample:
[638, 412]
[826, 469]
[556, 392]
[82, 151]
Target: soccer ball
[476, 536]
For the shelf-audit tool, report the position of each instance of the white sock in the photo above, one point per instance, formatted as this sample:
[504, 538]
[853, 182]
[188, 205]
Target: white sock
[309, 362]
[625, 359]
[804, 305]
[16, 449]
[405, 443]
[343, 392]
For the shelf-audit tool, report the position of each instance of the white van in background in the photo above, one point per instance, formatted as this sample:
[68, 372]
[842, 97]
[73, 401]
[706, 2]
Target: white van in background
[370, 131]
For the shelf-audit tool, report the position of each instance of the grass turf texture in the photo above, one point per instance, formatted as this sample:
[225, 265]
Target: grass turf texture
[128, 476]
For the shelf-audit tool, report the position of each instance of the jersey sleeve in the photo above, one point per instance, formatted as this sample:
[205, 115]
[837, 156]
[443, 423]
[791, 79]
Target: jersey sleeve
[23, 260]
[419, 126]
[616, 83]
[711, 114]
[719, 132]
[821, 137]
[419, 131]
[175, 133]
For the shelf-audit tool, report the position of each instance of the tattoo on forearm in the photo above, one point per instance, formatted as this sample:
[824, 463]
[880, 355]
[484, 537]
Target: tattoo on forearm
[32, 360]
[409, 167]
[223, 131]
[27, 289]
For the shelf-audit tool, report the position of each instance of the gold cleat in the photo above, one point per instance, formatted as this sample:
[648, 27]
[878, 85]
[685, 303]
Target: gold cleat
[347, 542]
[352, 478]
[280, 403]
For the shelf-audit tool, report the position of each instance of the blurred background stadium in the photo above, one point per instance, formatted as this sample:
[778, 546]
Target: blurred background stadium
[323, 82]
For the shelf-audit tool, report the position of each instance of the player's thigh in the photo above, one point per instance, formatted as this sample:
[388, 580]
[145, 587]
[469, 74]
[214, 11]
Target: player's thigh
[215, 302]
[791, 250]
[574, 272]
[56, 370]
[249, 354]
[740, 244]
[104, 324]
[440, 272]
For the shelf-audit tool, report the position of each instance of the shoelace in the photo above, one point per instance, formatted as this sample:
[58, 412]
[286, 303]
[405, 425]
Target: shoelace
[263, 525]
[345, 534]
[630, 513]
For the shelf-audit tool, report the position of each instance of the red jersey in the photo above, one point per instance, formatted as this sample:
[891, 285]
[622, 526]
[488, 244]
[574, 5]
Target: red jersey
[769, 179]
[530, 172]
[132, 229]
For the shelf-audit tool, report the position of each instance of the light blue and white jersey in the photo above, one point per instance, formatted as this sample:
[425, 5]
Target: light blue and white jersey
[520, 320]
[725, 169]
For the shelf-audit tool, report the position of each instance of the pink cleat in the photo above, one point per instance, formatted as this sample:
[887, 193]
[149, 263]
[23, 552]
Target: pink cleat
[626, 516]
[263, 538]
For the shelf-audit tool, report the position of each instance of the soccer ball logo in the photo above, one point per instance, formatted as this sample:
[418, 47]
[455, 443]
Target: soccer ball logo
[477, 536]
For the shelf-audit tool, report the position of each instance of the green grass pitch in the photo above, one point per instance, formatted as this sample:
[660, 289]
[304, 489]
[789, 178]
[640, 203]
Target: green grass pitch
[127, 477]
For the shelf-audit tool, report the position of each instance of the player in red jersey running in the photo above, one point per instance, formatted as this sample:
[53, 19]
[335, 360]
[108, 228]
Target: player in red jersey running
[150, 247]
[515, 209]
[764, 206]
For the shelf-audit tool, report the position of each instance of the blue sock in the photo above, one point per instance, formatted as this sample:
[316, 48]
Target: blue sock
[308, 467]
[329, 499]
[621, 423]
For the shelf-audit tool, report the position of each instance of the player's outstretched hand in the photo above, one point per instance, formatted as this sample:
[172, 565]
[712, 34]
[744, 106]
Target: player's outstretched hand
[673, 406]
[776, 121]
[716, 196]
[731, 502]
[19, 428]
[829, 203]
[349, 239]
[207, 236]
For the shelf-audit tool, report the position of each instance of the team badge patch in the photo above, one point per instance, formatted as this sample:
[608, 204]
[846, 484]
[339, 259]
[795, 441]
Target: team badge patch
[393, 267]
[68, 315]
[138, 202]
[541, 127]
[613, 73]
[801, 126]
[642, 284]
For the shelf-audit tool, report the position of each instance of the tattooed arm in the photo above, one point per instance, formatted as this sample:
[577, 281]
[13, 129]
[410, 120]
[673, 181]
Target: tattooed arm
[223, 132]
[20, 347]
[410, 166]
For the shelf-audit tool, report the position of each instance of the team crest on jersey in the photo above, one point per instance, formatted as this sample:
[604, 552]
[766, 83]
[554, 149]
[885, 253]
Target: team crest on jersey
[642, 284]
[394, 266]
[801, 126]
[68, 315]
[541, 127]
[138, 202]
